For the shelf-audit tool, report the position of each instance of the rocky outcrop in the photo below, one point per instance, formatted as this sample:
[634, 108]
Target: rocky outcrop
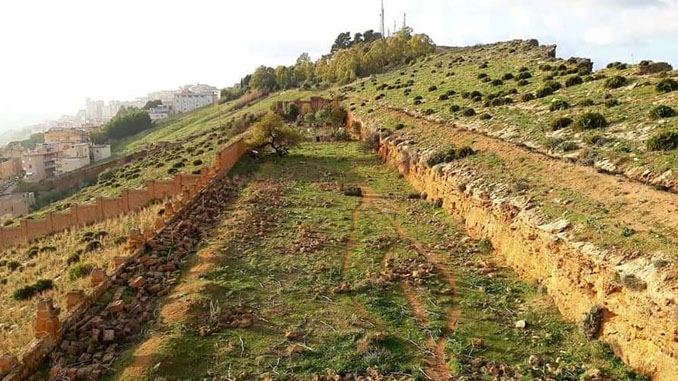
[637, 293]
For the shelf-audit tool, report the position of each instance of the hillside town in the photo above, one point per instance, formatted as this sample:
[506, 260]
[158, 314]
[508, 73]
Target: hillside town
[67, 145]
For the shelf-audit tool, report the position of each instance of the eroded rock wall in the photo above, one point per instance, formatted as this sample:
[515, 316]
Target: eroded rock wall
[640, 318]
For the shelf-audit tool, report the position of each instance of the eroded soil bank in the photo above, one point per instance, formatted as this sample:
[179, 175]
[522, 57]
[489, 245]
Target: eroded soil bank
[304, 278]
[629, 295]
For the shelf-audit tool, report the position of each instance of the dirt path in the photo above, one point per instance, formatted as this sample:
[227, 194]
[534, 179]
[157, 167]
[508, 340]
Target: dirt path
[438, 368]
[636, 205]
[352, 239]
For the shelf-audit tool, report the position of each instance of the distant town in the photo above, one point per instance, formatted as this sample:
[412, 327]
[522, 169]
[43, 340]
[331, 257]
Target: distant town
[58, 147]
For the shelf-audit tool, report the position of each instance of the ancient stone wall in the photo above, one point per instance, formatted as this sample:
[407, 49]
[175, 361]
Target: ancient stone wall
[641, 325]
[103, 208]
[48, 328]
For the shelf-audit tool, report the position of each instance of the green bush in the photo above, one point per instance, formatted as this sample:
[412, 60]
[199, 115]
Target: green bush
[485, 116]
[507, 76]
[586, 102]
[497, 82]
[543, 92]
[454, 108]
[523, 82]
[29, 291]
[527, 97]
[73, 259]
[667, 85]
[13, 265]
[662, 111]
[611, 103]
[663, 141]
[561, 123]
[469, 112]
[433, 88]
[573, 81]
[559, 104]
[482, 75]
[80, 270]
[589, 121]
[524, 75]
[615, 82]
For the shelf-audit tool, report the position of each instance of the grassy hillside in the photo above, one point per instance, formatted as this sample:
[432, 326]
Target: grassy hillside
[516, 91]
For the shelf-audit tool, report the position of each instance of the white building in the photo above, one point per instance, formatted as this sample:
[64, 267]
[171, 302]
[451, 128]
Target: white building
[100, 152]
[188, 101]
[68, 164]
[160, 112]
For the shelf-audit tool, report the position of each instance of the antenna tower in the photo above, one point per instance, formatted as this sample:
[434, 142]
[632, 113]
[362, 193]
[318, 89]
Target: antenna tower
[383, 26]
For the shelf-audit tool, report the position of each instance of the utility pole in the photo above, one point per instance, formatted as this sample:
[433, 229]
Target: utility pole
[404, 20]
[395, 28]
[383, 26]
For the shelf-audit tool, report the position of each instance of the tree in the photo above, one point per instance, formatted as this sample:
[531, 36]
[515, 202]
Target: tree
[322, 116]
[358, 38]
[125, 123]
[152, 104]
[263, 79]
[370, 36]
[231, 93]
[309, 118]
[343, 41]
[284, 77]
[272, 132]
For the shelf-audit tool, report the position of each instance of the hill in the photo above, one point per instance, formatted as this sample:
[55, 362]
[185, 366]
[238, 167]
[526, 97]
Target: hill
[522, 227]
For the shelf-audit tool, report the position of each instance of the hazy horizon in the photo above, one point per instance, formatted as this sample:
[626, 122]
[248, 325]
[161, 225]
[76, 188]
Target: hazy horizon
[59, 53]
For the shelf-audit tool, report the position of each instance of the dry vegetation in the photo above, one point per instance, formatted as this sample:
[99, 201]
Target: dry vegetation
[64, 259]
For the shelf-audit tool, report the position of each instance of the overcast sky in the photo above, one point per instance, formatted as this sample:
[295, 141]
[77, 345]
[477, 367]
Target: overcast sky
[53, 54]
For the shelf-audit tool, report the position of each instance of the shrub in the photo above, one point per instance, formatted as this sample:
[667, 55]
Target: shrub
[93, 246]
[507, 76]
[545, 67]
[449, 154]
[399, 126]
[524, 75]
[611, 103]
[586, 102]
[469, 112]
[560, 123]
[29, 291]
[553, 85]
[80, 271]
[559, 104]
[454, 108]
[615, 82]
[662, 111]
[573, 81]
[482, 75]
[523, 69]
[667, 85]
[443, 97]
[433, 88]
[13, 265]
[590, 120]
[73, 259]
[523, 82]
[527, 97]
[32, 252]
[450, 93]
[497, 82]
[663, 141]
[543, 92]
[485, 116]
[353, 191]
[197, 162]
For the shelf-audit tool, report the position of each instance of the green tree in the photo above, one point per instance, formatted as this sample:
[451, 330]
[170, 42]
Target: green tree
[263, 79]
[125, 123]
[342, 41]
[309, 118]
[284, 77]
[151, 104]
[272, 132]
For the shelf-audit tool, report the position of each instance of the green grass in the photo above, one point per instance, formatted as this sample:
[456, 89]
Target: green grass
[630, 122]
[281, 254]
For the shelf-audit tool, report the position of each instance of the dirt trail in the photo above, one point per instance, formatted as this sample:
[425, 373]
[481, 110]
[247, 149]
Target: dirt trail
[638, 205]
[438, 368]
[352, 240]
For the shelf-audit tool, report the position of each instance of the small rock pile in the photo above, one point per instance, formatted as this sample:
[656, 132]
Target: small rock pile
[236, 317]
[93, 343]
[412, 270]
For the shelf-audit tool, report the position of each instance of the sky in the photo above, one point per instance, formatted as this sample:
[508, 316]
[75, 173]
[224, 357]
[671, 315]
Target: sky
[54, 54]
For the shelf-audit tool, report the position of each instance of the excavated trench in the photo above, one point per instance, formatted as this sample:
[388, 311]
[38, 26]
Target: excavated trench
[640, 325]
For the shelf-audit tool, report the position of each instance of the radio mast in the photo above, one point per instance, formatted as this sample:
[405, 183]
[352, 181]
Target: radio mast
[383, 26]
